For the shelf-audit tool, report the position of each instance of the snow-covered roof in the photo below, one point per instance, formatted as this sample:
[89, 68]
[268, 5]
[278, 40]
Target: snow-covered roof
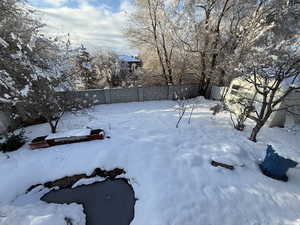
[127, 58]
[293, 81]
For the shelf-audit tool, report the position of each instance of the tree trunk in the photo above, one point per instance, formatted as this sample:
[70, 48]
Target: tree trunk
[53, 127]
[208, 87]
[259, 125]
[254, 132]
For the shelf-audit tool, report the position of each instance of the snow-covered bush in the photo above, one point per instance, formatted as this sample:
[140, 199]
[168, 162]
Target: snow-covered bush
[239, 117]
[12, 141]
[33, 68]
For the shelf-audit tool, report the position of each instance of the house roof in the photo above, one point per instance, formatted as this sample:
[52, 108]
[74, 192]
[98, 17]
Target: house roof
[127, 58]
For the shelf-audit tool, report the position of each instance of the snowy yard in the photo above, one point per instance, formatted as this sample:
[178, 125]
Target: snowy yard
[168, 168]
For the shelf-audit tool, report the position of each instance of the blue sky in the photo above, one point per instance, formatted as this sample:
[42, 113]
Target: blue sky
[113, 5]
[95, 23]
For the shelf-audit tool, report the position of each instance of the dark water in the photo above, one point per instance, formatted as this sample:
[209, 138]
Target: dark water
[105, 203]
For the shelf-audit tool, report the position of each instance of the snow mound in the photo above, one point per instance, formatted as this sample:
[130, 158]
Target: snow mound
[42, 214]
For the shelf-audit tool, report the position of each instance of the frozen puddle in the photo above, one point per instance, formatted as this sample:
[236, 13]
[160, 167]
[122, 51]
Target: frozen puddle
[107, 202]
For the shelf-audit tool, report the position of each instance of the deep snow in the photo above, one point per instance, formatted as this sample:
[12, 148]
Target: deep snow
[169, 168]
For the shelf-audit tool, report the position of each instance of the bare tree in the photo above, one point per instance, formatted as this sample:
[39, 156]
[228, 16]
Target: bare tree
[43, 101]
[274, 78]
[107, 68]
[271, 62]
[213, 32]
[150, 28]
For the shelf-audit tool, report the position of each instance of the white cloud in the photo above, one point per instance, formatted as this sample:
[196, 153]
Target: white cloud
[95, 27]
[126, 6]
[56, 3]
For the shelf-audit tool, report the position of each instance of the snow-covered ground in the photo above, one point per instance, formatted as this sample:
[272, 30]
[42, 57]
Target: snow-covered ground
[169, 168]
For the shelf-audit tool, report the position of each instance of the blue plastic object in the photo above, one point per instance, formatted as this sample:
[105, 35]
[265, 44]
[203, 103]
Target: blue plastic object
[276, 166]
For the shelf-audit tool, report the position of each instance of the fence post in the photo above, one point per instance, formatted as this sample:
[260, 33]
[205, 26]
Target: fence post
[4, 122]
[107, 96]
[140, 94]
[171, 92]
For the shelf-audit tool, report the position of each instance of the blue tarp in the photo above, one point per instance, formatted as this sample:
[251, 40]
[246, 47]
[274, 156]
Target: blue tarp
[276, 166]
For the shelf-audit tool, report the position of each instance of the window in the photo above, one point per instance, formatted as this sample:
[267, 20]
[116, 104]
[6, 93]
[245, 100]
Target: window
[234, 92]
[236, 87]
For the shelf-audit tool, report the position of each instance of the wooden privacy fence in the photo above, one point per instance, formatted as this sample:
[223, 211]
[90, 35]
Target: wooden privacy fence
[136, 94]
[87, 98]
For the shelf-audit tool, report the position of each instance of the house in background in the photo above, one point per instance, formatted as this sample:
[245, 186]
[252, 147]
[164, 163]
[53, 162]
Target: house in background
[129, 63]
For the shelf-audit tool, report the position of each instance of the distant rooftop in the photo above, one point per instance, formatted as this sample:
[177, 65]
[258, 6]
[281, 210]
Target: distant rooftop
[127, 58]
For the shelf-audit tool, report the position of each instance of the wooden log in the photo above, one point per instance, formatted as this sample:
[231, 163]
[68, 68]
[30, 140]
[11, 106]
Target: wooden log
[42, 142]
[39, 142]
[216, 164]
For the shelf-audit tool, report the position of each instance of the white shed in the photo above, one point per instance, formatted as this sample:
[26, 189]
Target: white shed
[279, 118]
